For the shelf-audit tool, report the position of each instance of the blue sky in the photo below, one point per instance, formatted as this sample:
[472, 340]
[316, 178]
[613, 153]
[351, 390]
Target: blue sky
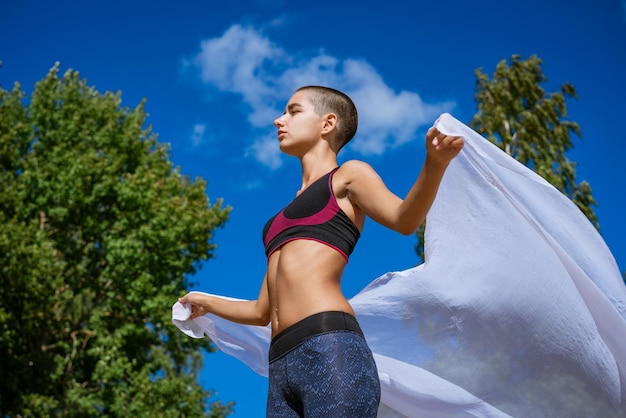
[216, 74]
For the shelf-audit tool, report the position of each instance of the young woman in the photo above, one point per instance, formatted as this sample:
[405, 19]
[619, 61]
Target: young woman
[320, 364]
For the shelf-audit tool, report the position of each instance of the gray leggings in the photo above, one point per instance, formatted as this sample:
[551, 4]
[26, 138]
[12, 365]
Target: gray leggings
[328, 374]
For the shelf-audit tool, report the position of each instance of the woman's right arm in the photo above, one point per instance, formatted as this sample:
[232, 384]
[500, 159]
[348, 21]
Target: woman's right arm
[248, 312]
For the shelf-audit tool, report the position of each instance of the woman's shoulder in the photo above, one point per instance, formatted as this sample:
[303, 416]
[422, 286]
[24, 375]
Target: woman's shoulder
[354, 166]
[356, 169]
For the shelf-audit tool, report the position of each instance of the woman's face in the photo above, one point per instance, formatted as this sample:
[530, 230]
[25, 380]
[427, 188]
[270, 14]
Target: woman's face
[300, 126]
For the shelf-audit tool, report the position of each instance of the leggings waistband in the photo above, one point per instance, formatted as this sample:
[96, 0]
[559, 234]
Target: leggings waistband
[318, 323]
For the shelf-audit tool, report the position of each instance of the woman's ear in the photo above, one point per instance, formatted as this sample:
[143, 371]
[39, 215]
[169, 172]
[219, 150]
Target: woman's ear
[330, 123]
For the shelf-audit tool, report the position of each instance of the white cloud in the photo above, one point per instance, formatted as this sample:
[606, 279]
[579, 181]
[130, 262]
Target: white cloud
[246, 62]
[266, 151]
[254, 184]
[197, 135]
[386, 119]
[241, 61]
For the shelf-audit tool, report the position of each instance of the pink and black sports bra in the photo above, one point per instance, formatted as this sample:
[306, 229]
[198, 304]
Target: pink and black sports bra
[313, 215]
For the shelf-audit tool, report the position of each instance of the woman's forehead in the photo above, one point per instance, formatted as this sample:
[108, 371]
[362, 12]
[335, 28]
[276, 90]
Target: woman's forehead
[300, 97]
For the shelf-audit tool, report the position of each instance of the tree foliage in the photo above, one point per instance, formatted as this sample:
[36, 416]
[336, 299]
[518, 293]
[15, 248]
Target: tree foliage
[98, 236]
[516, 114]
[531, 125]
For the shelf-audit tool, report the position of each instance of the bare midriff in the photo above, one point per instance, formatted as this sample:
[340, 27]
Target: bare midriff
[304, 278]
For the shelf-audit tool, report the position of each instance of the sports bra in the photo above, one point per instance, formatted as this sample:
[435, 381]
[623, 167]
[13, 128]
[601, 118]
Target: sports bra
[314, 215]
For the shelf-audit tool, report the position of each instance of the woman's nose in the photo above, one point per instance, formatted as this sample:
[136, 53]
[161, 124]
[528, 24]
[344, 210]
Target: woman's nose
[279, 121]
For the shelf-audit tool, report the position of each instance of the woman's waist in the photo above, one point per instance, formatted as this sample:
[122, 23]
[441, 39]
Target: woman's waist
[316, 324]
[289, 310]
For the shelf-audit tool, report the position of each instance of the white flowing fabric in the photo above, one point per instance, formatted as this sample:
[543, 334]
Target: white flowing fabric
[519, 309]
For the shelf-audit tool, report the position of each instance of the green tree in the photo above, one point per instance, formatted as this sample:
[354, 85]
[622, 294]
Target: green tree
[99, 233]
[531, 125]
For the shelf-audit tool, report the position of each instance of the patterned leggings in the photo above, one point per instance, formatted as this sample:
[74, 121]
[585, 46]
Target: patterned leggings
[328, 374]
